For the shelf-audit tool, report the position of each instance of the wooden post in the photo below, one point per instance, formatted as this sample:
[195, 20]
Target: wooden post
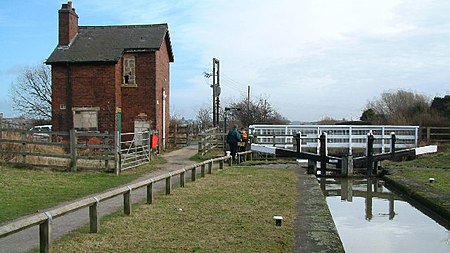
[347, 166]
[200, 147]
[117, 156]
[127, 202]
[221, 162]
[193, 174]
[203, 170]
[23, 136]
[175, 133]
[210, 164]
[230, 161]
[45, 240]
[105, 152]
[428, 134]
[323, 154]
[370, 140]
[73, 150]
[312, 167]
[182, 179]
[274, 140]
[298, 141]
[150, 193]
[93, 217]
[169, 184]
[393, 140]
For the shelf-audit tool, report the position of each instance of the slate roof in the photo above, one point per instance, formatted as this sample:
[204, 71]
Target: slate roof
[108, 43]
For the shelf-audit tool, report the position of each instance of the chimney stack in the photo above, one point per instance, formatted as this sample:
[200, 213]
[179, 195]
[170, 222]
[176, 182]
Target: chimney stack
[68, 24]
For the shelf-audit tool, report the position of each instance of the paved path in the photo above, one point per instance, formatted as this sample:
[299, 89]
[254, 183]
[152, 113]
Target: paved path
[27, 240]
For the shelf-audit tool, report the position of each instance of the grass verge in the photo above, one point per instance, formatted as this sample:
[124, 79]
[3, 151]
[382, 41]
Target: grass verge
[412, 177]
[230, 211]
[25, 191]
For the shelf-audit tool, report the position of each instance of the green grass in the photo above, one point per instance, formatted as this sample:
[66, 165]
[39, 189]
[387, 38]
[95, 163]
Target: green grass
[25, 191]
[442, 178]
[412, 177]
[439, 160]
[229, 211]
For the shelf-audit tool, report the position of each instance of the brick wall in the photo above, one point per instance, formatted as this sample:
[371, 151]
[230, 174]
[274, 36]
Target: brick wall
[83, 85]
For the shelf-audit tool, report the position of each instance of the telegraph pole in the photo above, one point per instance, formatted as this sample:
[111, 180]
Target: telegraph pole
[216, 91]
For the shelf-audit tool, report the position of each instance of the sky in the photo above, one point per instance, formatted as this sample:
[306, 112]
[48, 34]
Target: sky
[309, 59]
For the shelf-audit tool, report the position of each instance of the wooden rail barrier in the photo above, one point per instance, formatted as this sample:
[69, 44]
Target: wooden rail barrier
[44, 220]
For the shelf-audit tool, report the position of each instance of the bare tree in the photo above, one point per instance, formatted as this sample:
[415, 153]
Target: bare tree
[399, 107]
[203, 118]
[32, 93]
[258, 111]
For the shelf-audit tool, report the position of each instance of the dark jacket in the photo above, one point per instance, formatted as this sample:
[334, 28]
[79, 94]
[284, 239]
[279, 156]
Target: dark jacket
[233, 136]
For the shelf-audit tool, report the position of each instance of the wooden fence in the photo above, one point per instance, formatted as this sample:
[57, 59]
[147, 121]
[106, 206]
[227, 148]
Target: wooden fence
[44, 220]
[435, 134]
[210, 139]
[179, 135]
[58, 149]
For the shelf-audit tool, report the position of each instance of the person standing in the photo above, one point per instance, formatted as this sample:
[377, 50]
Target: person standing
[233, 138]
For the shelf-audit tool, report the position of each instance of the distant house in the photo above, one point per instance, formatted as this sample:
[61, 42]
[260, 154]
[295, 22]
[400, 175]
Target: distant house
[110, 78]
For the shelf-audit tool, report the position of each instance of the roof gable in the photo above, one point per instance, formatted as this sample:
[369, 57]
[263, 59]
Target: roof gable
[108, 43]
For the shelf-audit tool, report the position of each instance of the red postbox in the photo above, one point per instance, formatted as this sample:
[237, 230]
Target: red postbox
[154, 143]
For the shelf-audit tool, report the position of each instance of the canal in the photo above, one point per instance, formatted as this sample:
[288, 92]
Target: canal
[371, 218]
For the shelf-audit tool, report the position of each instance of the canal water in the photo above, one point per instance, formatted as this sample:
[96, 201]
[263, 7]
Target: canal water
[371, 218]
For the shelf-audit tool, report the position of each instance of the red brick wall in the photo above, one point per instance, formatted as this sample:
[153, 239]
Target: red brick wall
[141, 99]
[163, 81]
[91, 86]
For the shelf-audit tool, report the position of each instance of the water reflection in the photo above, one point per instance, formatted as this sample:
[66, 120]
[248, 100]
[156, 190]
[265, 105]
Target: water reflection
[371, 218]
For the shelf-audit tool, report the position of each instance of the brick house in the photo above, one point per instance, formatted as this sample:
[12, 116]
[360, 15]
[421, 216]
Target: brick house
[110, 78]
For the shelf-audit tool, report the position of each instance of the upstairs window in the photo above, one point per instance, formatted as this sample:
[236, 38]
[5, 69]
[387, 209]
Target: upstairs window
[129, 74]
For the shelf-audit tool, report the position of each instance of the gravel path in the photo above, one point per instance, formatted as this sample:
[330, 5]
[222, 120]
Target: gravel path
[28, 239]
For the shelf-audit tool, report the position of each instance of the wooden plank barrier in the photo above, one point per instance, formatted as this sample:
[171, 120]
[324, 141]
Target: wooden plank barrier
[44, 220]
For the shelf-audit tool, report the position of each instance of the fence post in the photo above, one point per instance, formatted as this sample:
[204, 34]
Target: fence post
[428, 134]
[117, 152]
[274, 140]
[298, 141]
[210, 164]
[45, 241]
[127, 202]
[221, 164]
[169, 184]
[182, 178]
[73, 150]
[150, 193]
[105, 151]
[93, 217]
[193, 174]
[24, 146]
[323, 154]
[175, 133]
[200, 146]
[203, 170]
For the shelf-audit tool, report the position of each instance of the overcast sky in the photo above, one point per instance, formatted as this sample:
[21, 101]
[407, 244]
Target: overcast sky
[309, 58]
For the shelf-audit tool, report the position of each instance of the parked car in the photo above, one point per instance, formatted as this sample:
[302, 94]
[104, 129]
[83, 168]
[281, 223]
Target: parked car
[42, 131]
